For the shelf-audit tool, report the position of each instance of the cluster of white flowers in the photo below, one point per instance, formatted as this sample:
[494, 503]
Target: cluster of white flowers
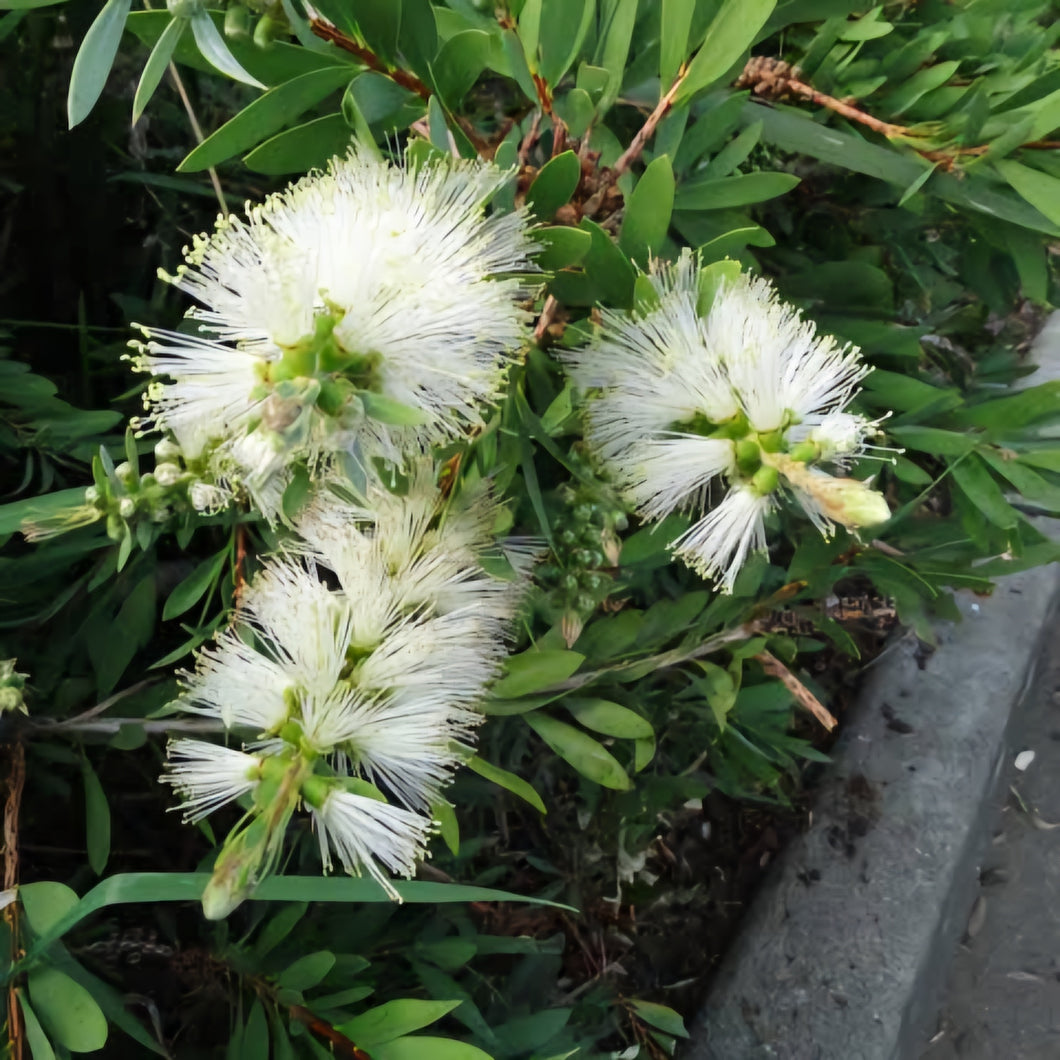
[355, 321]
[357, 700]
[369, 311]
[684, 397]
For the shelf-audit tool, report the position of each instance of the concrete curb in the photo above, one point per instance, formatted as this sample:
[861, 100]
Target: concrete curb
[844, 952]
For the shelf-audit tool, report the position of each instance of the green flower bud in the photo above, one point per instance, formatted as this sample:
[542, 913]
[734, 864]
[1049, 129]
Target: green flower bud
[765, 480]
[748, 456]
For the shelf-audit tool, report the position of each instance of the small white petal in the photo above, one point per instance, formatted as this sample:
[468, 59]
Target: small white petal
[718, 545]
[208, 775]
[363, 832]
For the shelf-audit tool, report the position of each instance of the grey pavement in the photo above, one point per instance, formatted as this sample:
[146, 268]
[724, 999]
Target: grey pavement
[1003, 991]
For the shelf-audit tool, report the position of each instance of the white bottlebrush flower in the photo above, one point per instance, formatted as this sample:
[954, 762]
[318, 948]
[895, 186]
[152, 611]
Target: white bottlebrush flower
[209, 776]
[731, 405]
[430, 546]
[371, 309]
[362, 831]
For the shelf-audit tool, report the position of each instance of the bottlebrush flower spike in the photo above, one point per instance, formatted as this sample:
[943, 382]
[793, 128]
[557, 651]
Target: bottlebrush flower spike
[719, 383]
[369, 310]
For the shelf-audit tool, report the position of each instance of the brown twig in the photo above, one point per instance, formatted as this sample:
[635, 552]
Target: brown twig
[775, 79]
[544, 322]
[533, 134]
[16, 780]
[326, 30]
[239, 578]
[340, 1044]
[647, 130]
[662, 660]
[196, 128]
[803, 696]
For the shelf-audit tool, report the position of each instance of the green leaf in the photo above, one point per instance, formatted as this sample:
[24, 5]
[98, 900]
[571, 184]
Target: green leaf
[417, 1047]
[256, 1034]
[735, 152]
[94, 59]
[451, 953]
[608, 274]
[265, 116]
[648, 210]
[155, 887]
[307, 971]
[588, 757]
[665, 1019]
[981, 488]
[509, 781]
[393, 1020]
[301, 148]
[611, 719]
[676, 23]
[577, 109]
[273, 65]
[97, 819]
[379, 22]
[917, 184]
[711, 280]
[458, 65]
[730, 33]
[437, 125]
[1040, 189]
[532, 670]
[418, 37]
[278, 928]
[613, 51]
[564, 27]
[113, 645]
[215, 50]
[1013, 411]
[156, 65]
[39, 1046]
[562, 247]
[554, 185]
[917, 86]
[448, 826]
[933, 440]
[192, 589]
[643, 752]
[526, 1033]
[725, 192]
[45, 903]
[67, 1010]
[794, 131]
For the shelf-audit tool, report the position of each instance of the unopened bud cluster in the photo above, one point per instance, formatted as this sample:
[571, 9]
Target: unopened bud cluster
[586, 547]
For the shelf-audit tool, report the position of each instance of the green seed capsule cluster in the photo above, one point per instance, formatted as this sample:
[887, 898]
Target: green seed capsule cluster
[586, 547]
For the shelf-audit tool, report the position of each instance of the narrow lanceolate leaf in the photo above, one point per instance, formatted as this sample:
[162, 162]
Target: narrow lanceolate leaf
[1040, 189]
[580, 750]
[156, 65]
[501, 777]
[730, 34]
[94, 59]
[215, 51]
[648, 212]
[676, 21]
[265, 116]
[97, 820]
